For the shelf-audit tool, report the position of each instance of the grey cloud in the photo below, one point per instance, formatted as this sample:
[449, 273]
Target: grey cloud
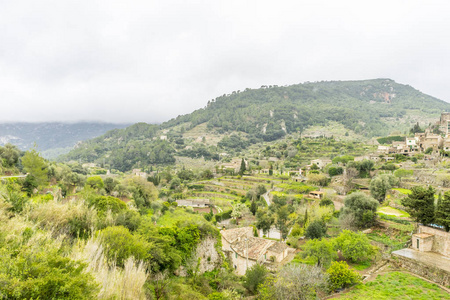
[130, 61]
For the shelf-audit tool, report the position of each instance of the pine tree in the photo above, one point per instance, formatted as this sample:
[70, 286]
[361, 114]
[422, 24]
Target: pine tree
[443, 211]
[420, 204]
[242, 169]
[253, 207]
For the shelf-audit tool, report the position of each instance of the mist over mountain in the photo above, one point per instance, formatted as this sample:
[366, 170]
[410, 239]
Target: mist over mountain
[52, 138]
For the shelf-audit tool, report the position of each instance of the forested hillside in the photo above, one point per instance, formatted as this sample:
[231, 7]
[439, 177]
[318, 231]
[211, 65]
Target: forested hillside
[270, 112]
[125, 147]
[368, 108]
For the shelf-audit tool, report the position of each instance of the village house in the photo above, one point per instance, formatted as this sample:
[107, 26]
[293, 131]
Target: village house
[244, 250]
[194, 202]
[431, 239]
[316, 195]
[321, 163]
[138, 172]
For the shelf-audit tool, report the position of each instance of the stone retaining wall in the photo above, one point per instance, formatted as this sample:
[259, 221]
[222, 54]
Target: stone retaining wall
[434, 274]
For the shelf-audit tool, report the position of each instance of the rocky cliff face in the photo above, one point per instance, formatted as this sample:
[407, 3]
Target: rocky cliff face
[205, 255]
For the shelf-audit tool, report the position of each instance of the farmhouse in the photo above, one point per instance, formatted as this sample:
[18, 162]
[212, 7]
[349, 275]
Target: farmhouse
[245, 250]
[316, 195]
[194, 202]
[431, 239]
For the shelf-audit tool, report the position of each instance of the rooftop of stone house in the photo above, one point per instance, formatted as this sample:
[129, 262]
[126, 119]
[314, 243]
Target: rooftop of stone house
[256, 247]
[277, 247]
[424, 235]
[232, 235]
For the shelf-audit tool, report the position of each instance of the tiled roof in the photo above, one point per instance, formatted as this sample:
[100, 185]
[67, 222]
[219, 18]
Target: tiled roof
[239, 237]
[256, 247]
[277, 247]
[232, 235]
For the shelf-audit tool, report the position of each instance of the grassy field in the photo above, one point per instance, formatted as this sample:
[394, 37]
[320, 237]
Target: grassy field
[179, 215]
[399, 286]
[387, 210]
[403, 191]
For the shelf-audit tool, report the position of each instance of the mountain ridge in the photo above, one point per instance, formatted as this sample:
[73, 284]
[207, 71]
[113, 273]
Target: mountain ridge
[367, 107]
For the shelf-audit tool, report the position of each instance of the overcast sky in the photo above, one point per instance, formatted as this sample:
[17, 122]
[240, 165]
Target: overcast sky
[132, 61]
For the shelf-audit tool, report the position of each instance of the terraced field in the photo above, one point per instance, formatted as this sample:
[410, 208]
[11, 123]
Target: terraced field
[226, 190]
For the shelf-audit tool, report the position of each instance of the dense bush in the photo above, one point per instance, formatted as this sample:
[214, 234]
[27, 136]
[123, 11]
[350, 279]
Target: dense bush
[362, 208]
[121, 244]
[316, 230]
[341, 276]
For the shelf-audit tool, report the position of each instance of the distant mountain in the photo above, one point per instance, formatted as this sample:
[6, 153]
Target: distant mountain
[52, 138]
[368, 108]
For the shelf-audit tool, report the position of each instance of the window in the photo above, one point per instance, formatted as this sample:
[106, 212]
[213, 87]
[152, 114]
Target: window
[417, 244]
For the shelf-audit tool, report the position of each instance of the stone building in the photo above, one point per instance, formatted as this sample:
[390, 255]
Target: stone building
[194, 202]
[431, 239]
[244, 250]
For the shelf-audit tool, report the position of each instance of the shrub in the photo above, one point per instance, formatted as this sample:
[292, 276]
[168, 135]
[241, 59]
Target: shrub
[120, 244]
[355, 246]
[341, 276]
[255, 276]
[95, 182]
[316, 230]
[320, 252]
[362, 208]
[105, 203]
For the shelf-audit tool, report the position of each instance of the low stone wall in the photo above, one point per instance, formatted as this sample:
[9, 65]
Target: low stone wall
[434, 274]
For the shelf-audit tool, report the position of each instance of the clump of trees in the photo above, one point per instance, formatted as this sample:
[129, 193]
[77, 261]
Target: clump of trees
[420, 204]
[359, 210]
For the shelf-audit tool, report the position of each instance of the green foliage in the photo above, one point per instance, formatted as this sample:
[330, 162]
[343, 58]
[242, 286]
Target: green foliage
[380, 184]
[9, 155]
[12, 194]
[105, 203]
[320, 252]
[120, 244]
[122, 149]
[341, 276]
[362, 207]
[255, 276]
[355, 246]
[416, 129]
[335, 170]
[264, 220]
[403, 173]
[43, 275]
[316, 230]
[109, 184]
[293, 281]
[95, 182]
[242, 169]
[225, 215]
[344, 159]
[399, 286]
[390, 139]
[326, 202]
[29, 184]
[429, 150]
[233, 142]
[35, 165]
[443, 212]
[420, 204]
